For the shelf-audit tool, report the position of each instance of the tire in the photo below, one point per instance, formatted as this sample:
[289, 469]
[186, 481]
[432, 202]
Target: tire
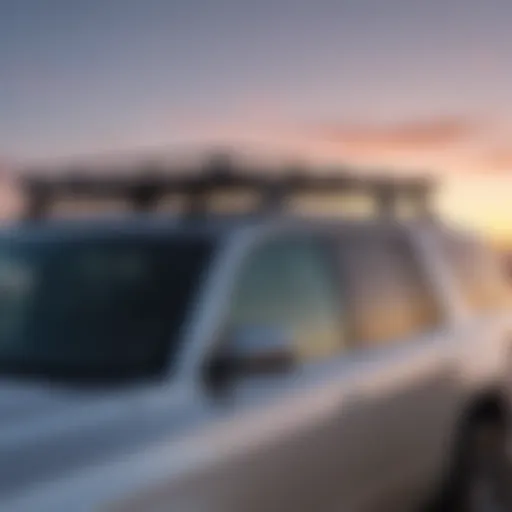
[478, 480]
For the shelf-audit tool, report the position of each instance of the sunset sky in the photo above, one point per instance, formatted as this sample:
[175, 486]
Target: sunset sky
[392, 83]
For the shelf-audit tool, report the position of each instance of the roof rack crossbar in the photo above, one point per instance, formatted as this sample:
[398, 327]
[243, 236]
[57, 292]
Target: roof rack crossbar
[146, 190]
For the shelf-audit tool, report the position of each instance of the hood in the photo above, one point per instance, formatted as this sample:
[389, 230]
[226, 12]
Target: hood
[46, 431]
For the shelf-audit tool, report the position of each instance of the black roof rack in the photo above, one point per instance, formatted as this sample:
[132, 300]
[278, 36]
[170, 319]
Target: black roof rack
[148, 187]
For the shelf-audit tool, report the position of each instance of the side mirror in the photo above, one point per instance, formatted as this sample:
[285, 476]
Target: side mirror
[253, 351]
[261, 350]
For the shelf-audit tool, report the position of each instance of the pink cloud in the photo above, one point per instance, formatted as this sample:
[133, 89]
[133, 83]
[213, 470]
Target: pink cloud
[421, 135]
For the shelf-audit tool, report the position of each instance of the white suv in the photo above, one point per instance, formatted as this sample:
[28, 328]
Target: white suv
[263, 363]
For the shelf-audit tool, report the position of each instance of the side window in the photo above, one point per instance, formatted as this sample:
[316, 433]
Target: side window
[478, 274]
[291, 285]
[390, 300]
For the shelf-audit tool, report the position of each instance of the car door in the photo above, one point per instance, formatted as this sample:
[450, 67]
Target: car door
[399, 327]
[307, 430]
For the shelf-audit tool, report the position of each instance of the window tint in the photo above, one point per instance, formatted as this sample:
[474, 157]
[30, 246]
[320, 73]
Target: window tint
[389, 296]
[478, 274]
[289, 285]
[96, 309]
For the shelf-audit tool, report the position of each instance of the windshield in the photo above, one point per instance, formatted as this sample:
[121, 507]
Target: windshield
[95, 309]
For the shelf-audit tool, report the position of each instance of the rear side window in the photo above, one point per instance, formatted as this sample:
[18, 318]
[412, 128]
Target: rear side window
[478, 275]
[390, 298]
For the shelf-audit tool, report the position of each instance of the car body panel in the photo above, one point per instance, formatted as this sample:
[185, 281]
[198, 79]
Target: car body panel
[356, 430]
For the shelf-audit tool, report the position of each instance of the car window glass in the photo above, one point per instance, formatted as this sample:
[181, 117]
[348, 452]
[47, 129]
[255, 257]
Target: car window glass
[96, 308]
[390, 299]
[291, 285]
[477, 274]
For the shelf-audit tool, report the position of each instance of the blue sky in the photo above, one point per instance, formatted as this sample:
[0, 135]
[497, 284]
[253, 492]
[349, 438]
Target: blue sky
[85, 77]
[75, 73]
